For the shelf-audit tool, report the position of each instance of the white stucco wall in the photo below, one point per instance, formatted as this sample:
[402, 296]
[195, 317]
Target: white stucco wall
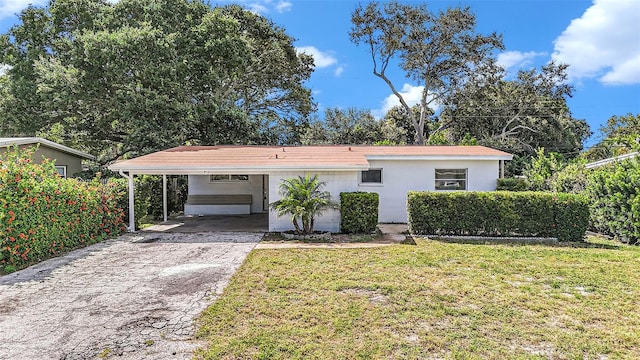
[400, 177]
[336, 182]
[200, 185]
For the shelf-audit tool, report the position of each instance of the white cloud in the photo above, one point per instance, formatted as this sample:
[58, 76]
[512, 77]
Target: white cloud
[283, 6]
[9, 8]
[257, 8]
[411, 95]
[604, 43]
[339, 70]
[320, 59]
[262, 6]
[509, 59]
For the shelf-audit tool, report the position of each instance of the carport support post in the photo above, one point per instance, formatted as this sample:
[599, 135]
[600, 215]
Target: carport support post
[132, 209]
[132, 213]
[164, 197]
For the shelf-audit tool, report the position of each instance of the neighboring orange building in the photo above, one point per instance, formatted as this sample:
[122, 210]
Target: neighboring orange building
[68, 161]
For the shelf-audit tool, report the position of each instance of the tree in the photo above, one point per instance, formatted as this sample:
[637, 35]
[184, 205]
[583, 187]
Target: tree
[141, 75]
[303, 199]
[350, 126]
[620, 135]
[398, 118]
[438, 51]
[520, 115]
[541, 168]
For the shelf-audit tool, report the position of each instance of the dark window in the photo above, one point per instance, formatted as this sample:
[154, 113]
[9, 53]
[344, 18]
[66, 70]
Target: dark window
[228, 178]
[451, 179]
[372, 176]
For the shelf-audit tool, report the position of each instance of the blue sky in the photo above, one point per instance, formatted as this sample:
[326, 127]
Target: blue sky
[600, 40]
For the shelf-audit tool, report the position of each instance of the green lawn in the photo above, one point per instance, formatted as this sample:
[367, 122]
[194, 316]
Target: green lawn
[430, 301]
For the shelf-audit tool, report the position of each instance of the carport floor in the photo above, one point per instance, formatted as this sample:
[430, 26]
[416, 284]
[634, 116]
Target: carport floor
[195, 224]
[135, 297]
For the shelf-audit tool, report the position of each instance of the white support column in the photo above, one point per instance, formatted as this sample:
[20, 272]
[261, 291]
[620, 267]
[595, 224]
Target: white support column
[501, 169]
[164, 197]
[132, 210]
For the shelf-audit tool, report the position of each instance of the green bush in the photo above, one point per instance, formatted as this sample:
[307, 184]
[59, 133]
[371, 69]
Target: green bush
[358, 212]
[512, 184]
[148, 192]
[499, 213]
[615, 194]
[148, 195]
[42, 214]
[141, 204]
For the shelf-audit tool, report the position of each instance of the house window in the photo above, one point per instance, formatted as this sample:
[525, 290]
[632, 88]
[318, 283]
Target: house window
[372, 176]
[451, 179]
[228, 178]
[62, 170]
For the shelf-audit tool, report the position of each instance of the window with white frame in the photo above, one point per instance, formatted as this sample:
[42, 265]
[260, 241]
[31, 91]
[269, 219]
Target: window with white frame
[371, 176]
[451, 179]
[62, 170]
[228, 178]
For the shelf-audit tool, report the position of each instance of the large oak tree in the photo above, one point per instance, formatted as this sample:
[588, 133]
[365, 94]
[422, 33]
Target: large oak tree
[141, 75]
[518, 115]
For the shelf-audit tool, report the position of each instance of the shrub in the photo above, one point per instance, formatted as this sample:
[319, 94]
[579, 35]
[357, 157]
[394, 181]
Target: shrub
[499, 213]
[42, 214]
[148, 195]
[615, 195]
[358, 212]
[512, 184]
[303, 198]
[141, 204]
[570, 179]
[541, 168]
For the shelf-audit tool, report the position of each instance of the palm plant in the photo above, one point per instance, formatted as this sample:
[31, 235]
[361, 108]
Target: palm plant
[304, 199]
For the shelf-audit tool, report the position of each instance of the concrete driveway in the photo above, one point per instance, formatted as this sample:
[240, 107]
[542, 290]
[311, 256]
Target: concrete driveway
[134, 297]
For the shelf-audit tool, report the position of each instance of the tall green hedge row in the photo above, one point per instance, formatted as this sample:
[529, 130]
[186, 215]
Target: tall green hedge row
[358, 212]
[499, 213]
[42, 214]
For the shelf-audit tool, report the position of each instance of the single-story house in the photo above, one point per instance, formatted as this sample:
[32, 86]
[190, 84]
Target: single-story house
[246, 179]
[67, 161]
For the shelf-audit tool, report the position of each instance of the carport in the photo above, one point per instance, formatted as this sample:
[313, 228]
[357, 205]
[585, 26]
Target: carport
[232, 205]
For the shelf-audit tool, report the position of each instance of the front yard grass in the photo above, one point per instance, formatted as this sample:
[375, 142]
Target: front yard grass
[430, 301]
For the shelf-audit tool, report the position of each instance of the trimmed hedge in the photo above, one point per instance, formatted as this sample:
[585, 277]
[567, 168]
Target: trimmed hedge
[358, 212]
[499, 213]
[572, 215]
[512, 184]
[42, 214]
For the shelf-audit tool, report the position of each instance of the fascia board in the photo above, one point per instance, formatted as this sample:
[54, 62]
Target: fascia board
[439, 157]
[208, 170]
